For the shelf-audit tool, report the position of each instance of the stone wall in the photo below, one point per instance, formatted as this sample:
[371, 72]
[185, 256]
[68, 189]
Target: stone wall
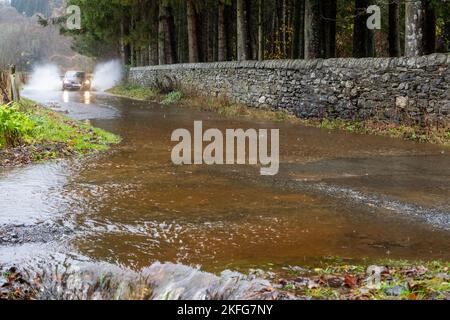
[398, 89]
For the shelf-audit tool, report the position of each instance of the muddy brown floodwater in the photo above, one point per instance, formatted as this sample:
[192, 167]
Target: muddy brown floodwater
[337, 194]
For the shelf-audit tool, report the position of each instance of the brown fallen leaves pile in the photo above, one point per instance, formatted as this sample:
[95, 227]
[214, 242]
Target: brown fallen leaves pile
[403, 282]
[14, 286]
[28, 154]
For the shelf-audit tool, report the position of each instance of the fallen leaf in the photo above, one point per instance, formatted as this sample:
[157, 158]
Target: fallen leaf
[412, 296]
[350, 281]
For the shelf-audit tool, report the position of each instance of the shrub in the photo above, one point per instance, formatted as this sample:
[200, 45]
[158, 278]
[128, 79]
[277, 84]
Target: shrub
[15, 126]
[134, 91]
[173, 97]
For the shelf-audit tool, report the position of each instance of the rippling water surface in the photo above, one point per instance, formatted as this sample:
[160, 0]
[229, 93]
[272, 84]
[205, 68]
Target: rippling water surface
[336, 195]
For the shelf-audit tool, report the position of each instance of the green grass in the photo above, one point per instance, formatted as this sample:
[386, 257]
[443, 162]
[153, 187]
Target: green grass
[15, 125]
[414, 280]
[50, 134]
[135, 92]
[138, 92]
[412, 132]
[173, 97]
[81, 137]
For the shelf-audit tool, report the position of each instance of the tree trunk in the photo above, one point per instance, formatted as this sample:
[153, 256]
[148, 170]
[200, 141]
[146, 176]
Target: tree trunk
[202, 36]
[298, 47]
[144, 56]
[260, 30]
[222, 33]
[414, 28]
[242, 52]
[153, 53]
[167, 35]
[132, 44]
[171, 42]
[154, 33]
[313, 29]
[284, 28]
[445, 45]
[138, 57]
[132, 56]
[210, 20]
[122, 42]
[329, 26]
[230, 15]
[429, 36]
[192, 31]
[251, 42]
[363, 37]
[394, 29]
[145, 17]
[161, 35]
[125, 32]
[125, 50]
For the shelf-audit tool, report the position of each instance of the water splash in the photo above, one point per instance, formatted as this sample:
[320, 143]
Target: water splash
[179, 282]
[45, 77]
[102, 281]
[107, 75]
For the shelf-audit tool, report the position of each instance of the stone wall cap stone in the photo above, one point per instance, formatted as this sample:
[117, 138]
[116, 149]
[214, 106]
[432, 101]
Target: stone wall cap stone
[289, 64]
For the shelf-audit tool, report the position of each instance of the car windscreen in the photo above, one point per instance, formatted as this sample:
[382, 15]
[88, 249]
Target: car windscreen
[75, 75]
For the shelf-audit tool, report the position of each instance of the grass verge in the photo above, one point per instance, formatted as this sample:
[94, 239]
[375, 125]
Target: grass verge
[429, 134]
[436, 135]
[135, 92]
[189, 99]
[332, 280]
[385, 280]
[30, 133]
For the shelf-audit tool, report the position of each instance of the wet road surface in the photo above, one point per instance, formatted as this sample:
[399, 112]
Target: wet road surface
[337, 194]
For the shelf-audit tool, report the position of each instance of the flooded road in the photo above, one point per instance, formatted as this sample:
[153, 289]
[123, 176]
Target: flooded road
[337, 194]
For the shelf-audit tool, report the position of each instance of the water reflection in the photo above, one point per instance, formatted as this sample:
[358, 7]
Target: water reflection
[87, 97]
[30, 195]
[73, 103]
[65, 96]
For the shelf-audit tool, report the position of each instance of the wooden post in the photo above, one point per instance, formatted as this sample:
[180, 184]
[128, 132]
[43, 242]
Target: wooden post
[4, 95]
[14, 89]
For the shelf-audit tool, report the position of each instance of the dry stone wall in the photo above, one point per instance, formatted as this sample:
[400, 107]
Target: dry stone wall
[396, 89]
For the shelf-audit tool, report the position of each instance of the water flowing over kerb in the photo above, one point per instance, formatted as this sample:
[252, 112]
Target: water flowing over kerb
[157, 282]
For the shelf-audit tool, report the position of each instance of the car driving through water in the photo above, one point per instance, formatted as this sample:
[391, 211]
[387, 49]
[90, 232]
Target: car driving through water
[76, 80]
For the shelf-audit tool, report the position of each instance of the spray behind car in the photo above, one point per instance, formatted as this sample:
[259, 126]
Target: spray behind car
[49, 77]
